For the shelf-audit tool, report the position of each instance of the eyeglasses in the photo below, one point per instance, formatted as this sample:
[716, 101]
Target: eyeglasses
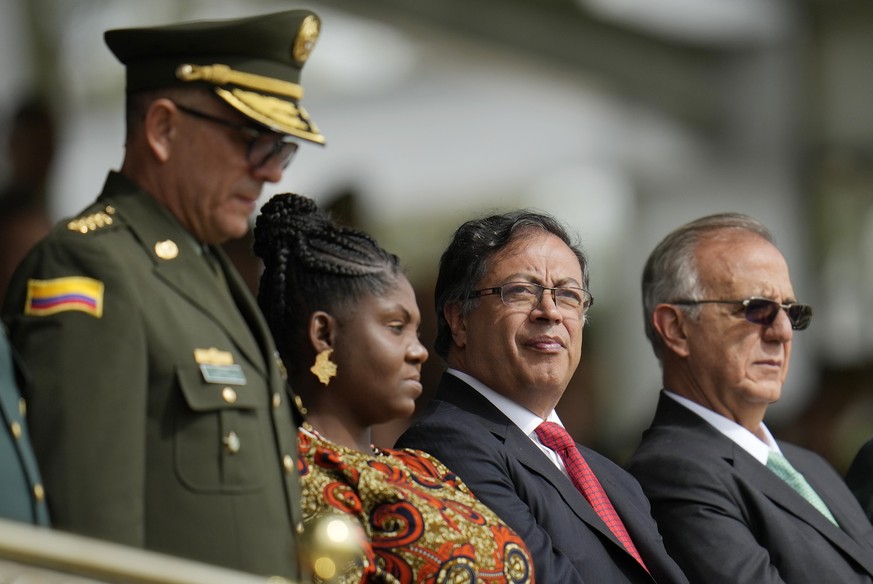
[527, 296]
[262, 145]
[764, 311]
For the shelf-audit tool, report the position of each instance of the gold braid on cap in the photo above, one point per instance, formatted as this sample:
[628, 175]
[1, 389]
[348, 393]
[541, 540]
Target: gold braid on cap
[277, 114]
[224, 75]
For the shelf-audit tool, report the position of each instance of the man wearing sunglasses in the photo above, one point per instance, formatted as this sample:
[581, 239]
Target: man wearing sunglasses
[158, 410]
[734, 504]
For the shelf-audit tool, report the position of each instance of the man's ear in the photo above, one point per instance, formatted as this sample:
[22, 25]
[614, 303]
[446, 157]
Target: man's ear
[322, 329]
[457, 323]
[670, 322]
[159, 127]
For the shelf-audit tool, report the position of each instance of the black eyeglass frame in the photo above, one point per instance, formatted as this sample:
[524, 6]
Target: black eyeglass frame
[800, 315]
[583, 307]
[279, 141]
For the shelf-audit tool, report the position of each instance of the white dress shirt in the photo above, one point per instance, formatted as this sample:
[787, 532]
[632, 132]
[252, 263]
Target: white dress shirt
[739, 435]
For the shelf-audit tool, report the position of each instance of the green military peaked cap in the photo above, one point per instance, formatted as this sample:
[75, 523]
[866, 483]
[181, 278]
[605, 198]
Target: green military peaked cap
[251, 63]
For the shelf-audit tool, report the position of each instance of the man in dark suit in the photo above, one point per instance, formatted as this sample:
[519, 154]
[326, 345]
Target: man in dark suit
[511, 303]
[735, 505]
[158, 410]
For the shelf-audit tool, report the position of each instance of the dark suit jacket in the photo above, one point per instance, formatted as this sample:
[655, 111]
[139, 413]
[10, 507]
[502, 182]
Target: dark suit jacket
[21, 492]
[860, 478]
[506, 471]
[726, 518]
[136, 444]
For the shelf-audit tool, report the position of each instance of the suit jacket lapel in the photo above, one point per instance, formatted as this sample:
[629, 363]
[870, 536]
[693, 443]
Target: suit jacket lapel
[778, 491]
[786, 497]
[774, 488]
[745, 465]
[455, 391]
[853, 527]
[638, 521]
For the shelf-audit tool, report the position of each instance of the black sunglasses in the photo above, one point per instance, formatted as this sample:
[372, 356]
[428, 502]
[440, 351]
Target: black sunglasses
[764, 311]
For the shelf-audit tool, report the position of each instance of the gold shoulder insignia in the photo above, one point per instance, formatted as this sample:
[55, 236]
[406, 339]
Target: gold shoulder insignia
[92, 222]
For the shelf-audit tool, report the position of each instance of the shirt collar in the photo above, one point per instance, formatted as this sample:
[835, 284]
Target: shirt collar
[525, 419]
[739, 435]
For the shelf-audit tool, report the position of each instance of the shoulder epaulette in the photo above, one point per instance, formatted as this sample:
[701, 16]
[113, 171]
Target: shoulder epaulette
[92, 222]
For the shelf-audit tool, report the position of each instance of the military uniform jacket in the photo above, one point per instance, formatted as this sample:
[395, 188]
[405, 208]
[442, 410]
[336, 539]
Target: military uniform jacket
[22, 497]
[158, 412]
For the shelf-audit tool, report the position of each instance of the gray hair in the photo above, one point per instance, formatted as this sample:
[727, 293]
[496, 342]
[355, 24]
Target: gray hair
[671, 272]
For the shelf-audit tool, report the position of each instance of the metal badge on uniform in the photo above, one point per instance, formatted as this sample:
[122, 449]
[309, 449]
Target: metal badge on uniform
[167, 249]
[218, 367]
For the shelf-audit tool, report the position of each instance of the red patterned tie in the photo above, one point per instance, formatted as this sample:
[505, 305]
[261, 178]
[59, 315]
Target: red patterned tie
[555, 437]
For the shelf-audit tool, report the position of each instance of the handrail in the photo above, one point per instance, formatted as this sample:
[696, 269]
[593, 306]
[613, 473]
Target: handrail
[62, 553]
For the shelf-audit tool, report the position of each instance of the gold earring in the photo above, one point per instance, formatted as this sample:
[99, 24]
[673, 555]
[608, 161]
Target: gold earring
[324, 368]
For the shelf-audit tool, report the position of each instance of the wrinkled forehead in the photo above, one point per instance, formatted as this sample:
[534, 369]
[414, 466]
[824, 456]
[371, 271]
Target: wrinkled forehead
[742, 264]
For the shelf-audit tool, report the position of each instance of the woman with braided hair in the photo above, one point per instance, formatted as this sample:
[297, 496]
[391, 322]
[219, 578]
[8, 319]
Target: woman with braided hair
[345, 321]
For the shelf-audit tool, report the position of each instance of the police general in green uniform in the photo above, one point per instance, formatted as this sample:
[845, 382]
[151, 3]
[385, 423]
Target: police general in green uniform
[158, 411]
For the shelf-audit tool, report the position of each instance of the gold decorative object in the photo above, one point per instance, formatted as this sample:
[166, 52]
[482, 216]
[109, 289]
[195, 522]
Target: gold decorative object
[305, 41]
[167, 249]
[219, 74]
[332, 545]
[324, 368]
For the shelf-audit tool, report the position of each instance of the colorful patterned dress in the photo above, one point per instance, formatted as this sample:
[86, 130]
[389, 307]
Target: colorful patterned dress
[423, 523]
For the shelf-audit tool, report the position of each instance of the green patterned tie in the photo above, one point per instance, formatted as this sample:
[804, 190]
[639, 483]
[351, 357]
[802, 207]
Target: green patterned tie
[783, 469]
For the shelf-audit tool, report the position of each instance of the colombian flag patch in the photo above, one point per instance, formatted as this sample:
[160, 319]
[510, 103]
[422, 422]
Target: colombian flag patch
[45, 297]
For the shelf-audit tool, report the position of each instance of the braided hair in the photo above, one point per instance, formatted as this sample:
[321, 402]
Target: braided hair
[312, 263]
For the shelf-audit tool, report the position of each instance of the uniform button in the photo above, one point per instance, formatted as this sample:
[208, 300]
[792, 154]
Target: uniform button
[38, 492]
[299, 527]
[277, 400]
[228, 395]
[16, 429]
[231, 442]
[288, 463]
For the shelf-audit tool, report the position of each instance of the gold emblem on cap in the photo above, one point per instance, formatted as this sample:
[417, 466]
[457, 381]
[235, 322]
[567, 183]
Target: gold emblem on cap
[167, 249]
[306, 37]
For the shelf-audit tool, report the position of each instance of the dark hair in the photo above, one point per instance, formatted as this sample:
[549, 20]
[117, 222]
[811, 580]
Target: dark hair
[671, 272]
[465, 261]
[312, 263]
